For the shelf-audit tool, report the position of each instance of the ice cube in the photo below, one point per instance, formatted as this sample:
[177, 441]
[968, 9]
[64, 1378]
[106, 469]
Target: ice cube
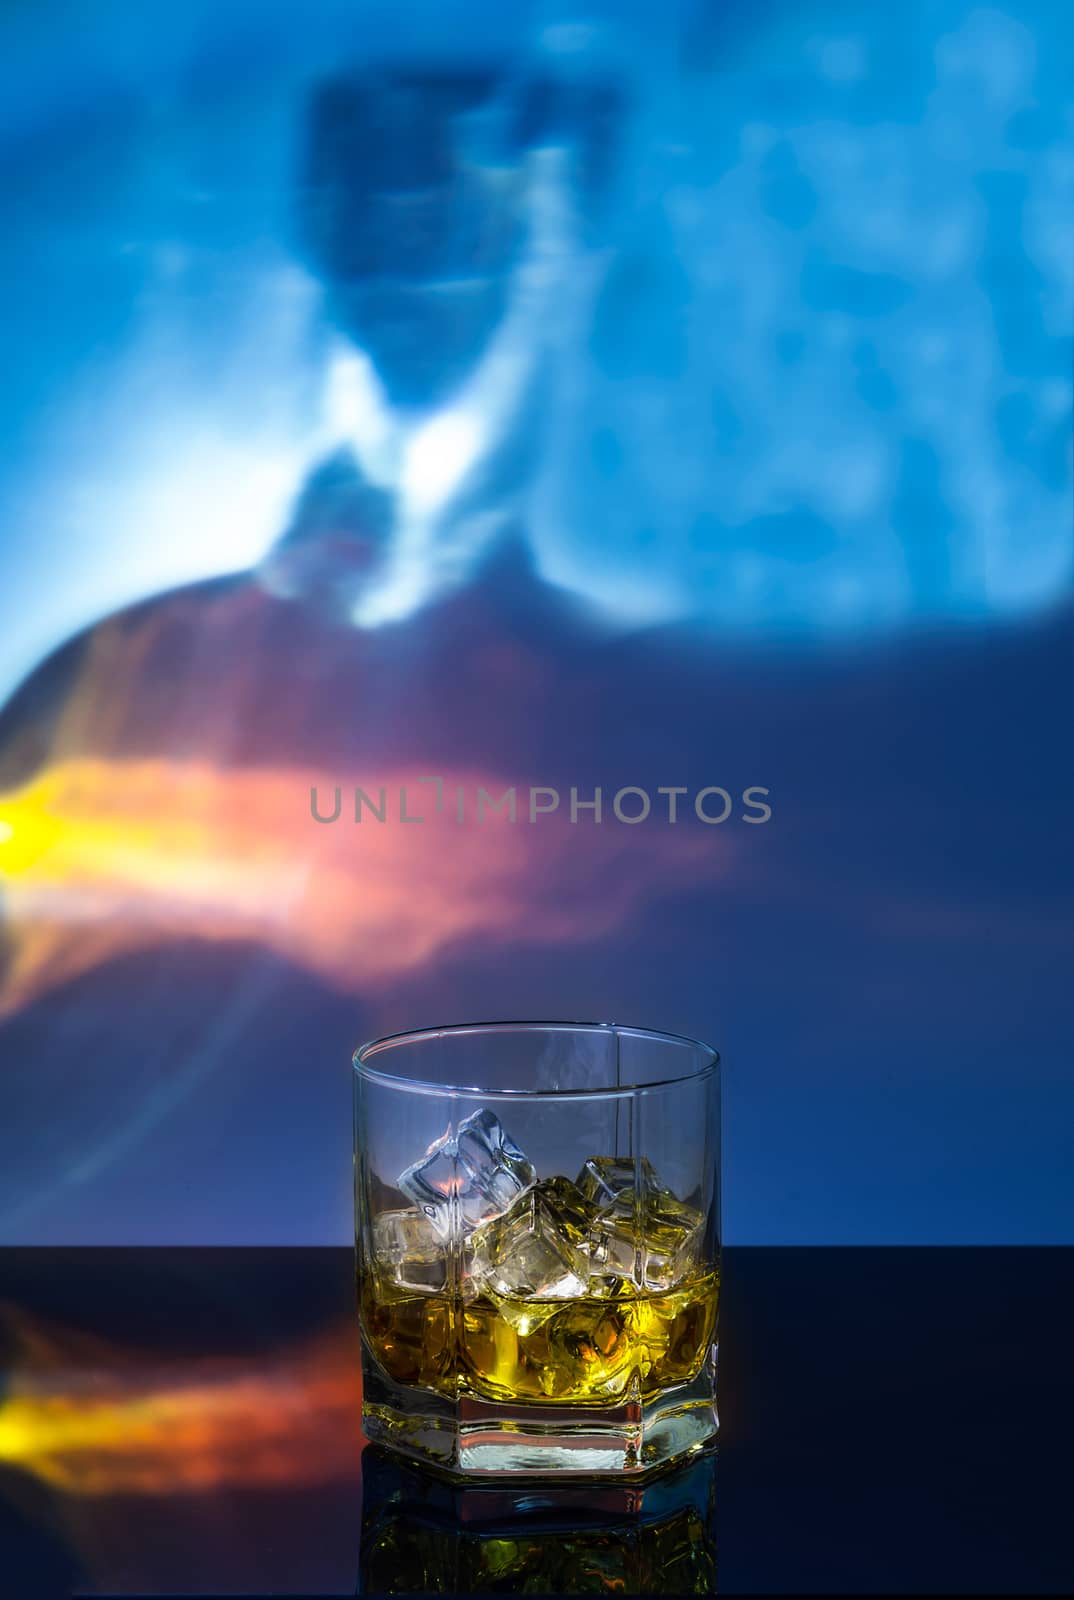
[603, 1178]
[408, 1247]
[536, 1250]
[467, 1177]
[651, 1238]
[592, 1341]
[492, 1160]
[642, 1232]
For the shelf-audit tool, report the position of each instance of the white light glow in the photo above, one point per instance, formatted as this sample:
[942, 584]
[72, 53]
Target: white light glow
[394, 600]
[438, 457]
[221, 503]
[357, 412]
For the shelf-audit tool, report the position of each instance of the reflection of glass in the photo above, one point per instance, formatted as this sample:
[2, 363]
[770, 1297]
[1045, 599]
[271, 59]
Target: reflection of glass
[422, 1536]
[537, 1227]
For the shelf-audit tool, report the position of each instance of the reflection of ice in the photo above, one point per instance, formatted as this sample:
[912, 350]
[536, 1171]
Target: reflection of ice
[469, 1176]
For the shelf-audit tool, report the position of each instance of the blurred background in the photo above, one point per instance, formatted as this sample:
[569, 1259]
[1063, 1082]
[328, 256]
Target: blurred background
[589, 395]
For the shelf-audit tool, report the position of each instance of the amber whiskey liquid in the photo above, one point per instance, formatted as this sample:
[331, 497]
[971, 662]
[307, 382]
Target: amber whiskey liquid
[590, 1348]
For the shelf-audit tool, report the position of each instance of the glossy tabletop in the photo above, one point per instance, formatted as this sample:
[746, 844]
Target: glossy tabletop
[188, 1422]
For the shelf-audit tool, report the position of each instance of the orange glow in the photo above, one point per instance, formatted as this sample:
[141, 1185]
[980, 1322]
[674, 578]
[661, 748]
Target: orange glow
[101, 857]
[91, 1419]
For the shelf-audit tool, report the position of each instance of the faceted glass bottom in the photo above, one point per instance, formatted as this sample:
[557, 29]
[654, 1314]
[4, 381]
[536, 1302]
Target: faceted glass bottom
[475, 1435]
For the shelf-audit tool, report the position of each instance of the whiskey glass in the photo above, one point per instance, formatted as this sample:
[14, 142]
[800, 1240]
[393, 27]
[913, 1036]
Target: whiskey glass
[537, 1229]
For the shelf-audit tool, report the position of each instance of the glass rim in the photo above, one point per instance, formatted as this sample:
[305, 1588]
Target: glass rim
[390, 1041]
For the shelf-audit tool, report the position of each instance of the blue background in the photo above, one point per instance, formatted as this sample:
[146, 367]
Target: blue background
[807, 457]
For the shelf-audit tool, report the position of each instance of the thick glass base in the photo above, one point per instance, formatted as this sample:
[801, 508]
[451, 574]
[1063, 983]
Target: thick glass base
[477, 1437]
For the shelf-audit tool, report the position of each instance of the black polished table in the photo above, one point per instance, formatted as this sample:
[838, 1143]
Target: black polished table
[187, 1422]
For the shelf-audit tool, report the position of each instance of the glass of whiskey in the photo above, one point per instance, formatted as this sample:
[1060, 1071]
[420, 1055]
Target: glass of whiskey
[537, 1228]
